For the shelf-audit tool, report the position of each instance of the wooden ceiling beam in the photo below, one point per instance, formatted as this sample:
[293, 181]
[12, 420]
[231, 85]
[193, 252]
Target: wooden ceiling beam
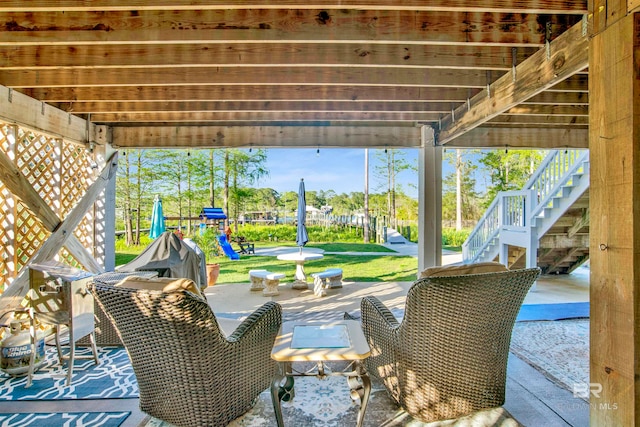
[254, 106]
[194, 117]
[527, 6]
[267, 136]
[284, 123]
[250, 93]
[16, 107]
[560, 98]
[565, 56]
[279, 26]
[577, 99]
[255, 75]
[524, 138]
[545, 110]
[575, 83]
[541, 125]
[574, 90]
[533, 121]
[246, 54]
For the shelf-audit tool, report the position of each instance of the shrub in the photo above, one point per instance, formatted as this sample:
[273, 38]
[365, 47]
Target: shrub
[208, 243]
[287, 233]
[453, 237]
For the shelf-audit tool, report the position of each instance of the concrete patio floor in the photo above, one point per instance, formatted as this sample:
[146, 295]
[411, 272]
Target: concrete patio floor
[532, 399]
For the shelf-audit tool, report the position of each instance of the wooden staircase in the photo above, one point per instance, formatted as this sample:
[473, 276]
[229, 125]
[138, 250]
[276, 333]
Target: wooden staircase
[545, 224]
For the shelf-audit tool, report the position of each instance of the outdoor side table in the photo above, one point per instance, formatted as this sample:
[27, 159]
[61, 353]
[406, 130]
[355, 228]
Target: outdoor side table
[320, 342]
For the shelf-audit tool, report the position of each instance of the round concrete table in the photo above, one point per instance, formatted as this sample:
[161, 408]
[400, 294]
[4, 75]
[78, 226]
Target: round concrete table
[300, 258]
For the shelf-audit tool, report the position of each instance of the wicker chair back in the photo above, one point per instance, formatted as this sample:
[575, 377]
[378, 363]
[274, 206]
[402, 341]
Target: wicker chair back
[448, 356]
[188, 372]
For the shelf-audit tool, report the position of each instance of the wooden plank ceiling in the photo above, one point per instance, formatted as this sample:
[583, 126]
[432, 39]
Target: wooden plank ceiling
[324, 71]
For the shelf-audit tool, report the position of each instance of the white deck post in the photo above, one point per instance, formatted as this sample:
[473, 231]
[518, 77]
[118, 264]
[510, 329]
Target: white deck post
[429, 201]
[532, 247]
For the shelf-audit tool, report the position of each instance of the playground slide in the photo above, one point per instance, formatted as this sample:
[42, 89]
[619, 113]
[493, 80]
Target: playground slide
[226, 247]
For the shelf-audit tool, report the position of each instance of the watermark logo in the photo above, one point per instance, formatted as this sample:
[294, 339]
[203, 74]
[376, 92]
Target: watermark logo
[592, 390]
[586, 390]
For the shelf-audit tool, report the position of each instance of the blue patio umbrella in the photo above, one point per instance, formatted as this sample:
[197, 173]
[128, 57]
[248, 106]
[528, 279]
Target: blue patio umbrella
[157, 219]
[301, 231]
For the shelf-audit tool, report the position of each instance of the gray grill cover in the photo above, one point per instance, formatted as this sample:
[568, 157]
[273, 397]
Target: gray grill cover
[170, 257]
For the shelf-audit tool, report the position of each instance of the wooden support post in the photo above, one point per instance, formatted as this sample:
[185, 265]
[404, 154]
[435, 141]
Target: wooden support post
[430, 202]
[614, 132]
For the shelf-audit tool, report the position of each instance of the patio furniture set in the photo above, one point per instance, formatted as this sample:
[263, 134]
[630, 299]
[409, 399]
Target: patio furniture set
[445, 359]
[268, 282]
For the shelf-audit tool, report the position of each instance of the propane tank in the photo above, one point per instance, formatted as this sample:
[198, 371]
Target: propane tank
[15, 350]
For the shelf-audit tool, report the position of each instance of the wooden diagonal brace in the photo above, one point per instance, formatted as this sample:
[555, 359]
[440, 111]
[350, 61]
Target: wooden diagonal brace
[13, 179]
[580, 223]
[569, 53]
[15, 293]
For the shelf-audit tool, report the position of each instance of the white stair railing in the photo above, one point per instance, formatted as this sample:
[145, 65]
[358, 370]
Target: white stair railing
[556, 172]
[484, 233]
[509, 209]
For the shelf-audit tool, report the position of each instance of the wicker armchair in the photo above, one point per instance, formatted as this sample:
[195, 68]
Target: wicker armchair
[448, 356]
[189, 373]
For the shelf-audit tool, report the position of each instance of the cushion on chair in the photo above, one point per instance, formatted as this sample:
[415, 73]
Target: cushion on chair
[164, 284]
[459, 270]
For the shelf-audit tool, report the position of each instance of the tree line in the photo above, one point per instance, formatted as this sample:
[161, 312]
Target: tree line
[188, 180]
[500, 170]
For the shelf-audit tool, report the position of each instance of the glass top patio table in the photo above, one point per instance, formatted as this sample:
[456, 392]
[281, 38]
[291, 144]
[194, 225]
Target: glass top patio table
[320, 342]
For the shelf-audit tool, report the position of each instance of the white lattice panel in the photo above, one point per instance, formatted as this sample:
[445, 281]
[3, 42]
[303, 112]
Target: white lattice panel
[7, 237]
[38, 159]
[60, 173]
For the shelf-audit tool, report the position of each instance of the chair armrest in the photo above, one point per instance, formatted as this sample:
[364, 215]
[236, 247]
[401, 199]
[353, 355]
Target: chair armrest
[378, 311]
[381, 329]
[266, 320]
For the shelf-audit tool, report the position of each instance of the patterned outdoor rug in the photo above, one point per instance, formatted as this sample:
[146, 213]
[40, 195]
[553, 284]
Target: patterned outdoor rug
[326, 403]
[558, 349]
[113, 378]
[57, 419]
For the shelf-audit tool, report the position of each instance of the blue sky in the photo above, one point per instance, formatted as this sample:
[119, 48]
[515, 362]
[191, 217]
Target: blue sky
[337, 169]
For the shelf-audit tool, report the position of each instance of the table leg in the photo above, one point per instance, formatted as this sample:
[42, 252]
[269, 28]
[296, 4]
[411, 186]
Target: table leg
[301, 277]
[280, 391]
[360, 385]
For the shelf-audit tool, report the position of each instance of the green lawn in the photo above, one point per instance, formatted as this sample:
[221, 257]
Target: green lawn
[125, 257]
[359, 268]
[334, 247]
